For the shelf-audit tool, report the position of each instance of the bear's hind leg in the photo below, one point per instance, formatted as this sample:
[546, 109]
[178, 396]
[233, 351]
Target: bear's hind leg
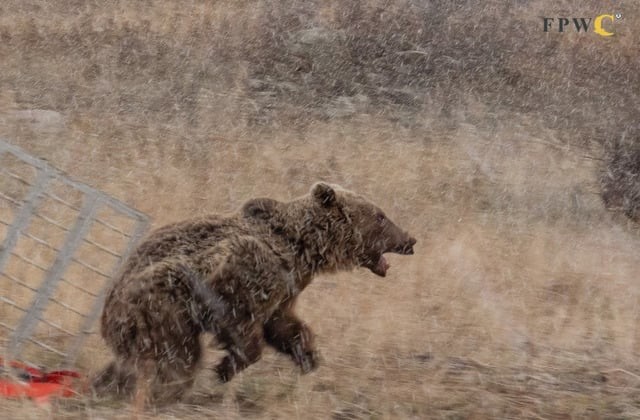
[174, 373]
[114, 379]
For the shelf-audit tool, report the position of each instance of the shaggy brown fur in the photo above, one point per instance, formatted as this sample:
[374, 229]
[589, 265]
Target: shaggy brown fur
[237, 277]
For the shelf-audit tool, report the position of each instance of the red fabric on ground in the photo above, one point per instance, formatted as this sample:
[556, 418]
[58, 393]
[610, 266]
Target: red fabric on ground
[37, 384]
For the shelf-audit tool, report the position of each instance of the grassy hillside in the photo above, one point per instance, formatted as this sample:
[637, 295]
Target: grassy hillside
[489, 140]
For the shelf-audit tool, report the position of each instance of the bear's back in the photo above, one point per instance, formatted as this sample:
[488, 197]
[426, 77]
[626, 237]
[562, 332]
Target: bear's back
[182, 239]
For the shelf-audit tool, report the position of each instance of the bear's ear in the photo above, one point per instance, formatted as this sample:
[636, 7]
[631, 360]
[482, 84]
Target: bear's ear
[324, 194]
[259, 208]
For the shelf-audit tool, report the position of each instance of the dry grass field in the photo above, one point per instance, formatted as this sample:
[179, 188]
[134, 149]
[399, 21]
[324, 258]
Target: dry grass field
[482, 135]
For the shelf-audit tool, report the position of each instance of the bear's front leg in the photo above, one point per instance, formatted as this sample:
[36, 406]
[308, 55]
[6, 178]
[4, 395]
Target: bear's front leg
[289, 335]
[244, 348]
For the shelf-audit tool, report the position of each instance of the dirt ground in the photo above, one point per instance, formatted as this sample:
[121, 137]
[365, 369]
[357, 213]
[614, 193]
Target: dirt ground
[479, 133]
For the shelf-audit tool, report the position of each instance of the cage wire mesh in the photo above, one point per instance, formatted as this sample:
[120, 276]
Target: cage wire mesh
[61, 243]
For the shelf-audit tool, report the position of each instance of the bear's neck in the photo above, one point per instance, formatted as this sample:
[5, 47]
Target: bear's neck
[318, 244]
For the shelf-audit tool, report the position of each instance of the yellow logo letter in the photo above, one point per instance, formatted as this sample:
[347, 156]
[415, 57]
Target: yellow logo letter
[597, 25]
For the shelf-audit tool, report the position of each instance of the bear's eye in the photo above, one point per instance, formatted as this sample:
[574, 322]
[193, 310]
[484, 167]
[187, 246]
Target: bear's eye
[380, 218]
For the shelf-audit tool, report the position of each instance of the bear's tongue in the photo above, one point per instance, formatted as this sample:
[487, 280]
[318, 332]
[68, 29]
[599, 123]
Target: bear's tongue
[381, 267]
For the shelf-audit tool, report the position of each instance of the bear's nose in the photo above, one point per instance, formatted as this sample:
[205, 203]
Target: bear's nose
[407, 247]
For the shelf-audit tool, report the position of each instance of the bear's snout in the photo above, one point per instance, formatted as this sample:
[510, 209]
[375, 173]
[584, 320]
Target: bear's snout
[406, 248]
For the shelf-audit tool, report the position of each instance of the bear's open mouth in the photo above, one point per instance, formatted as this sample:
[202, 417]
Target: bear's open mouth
[381, 267]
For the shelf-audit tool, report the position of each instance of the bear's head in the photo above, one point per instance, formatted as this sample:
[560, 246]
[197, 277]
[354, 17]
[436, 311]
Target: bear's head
[363, 227]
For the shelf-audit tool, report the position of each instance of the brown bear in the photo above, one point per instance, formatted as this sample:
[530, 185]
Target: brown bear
[238, 278]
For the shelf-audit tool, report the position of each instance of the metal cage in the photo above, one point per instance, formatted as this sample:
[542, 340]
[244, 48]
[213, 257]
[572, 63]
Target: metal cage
[61, 243]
